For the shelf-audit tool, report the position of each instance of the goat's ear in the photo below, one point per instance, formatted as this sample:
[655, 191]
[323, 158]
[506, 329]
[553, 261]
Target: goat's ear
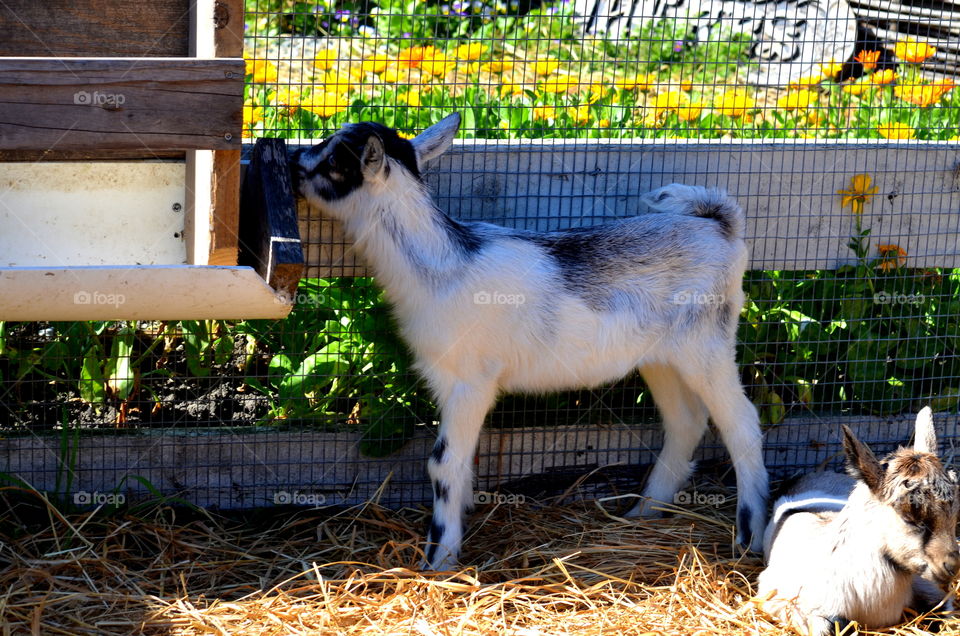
[371, 161]
[925, 436]
[433, 141]
[861, 462]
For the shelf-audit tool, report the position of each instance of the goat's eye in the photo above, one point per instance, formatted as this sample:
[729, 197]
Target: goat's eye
[662, 196]
[331, 161]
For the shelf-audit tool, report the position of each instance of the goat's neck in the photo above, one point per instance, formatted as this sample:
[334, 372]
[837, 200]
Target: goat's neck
[405, 239]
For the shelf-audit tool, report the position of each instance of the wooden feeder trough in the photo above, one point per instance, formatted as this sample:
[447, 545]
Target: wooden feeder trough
[120, 136]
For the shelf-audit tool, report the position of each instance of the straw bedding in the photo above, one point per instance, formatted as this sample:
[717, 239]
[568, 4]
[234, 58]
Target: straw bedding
[570, 569]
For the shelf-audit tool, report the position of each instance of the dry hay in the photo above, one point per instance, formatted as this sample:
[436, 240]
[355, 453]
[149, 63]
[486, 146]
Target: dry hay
[572, 569]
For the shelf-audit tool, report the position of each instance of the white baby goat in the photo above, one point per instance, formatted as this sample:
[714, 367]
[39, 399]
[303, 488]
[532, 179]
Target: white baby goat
[487, 309]
[863, 547]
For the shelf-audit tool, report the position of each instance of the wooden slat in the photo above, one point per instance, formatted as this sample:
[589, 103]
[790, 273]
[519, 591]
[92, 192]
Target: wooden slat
[147, 105]
[94, 28]
[228, 22]
[225, 207]
[269, 234]
[788, 190]
[55, 155]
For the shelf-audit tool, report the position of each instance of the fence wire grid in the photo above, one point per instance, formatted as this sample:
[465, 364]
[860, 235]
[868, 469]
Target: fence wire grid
[833, 123]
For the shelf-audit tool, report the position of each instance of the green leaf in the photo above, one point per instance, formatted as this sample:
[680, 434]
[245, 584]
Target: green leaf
[120, 376]
[91, 385]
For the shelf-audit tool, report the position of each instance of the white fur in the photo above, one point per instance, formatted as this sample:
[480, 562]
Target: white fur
[551, 339]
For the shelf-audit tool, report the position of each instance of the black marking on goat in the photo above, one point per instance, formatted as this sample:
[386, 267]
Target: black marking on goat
[894, 565]
[441, 492]
[467, 240]
[715, 212]
[744, 517]
[434, 536]
[439, 449]
[839, 620]
[726, 311]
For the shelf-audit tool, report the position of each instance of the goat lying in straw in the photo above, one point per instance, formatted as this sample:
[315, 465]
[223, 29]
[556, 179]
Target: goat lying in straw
[486, 309]
[864, 547]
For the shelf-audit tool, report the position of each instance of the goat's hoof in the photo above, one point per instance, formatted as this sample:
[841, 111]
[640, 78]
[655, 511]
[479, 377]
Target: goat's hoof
[647, 508]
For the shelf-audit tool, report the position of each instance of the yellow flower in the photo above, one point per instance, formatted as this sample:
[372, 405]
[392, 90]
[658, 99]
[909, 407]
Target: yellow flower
[595, 93]
[896, 130]
[437, 62]
[885, 76]
[859, 193]
[285, 97]
[797, 100]
[690, 112]
[504, 124]
[559, 84]
[641, 82]
[891, 257]
[511, 90]
[325, 103]
[406, 135]
[252, 116]
[831, 68]
[412, 57]
[469, 52]
[868, 59]
[263, 72]
[411, 98]
[579, 114]
[734, 103]
[544, 113]
[856, 88]
[338, 82]
[923, 95]
[670, 100]
[910, 50]
[376, 64]
[806, 81]
[325, 59]
[498, 66]
[393, 75]
[604, 123]
[545, 66]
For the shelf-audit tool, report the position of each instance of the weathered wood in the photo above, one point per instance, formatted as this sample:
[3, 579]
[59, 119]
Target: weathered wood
[225, 207]
[136, 292]
[147, 104]
[94, 28]
[788, 189]
[269, 234]
[228, 24]
[330, 464]
[55, 155]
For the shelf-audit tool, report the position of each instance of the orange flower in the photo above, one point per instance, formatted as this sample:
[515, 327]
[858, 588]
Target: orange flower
[891, 257]
[868, 59]
[885, 76]
[856, 88]
[263, 72]
[910, 50]
[923, 95]
[412, 57]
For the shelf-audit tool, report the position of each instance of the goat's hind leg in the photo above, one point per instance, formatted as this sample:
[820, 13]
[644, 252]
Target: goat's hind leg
[462, 412]
[684, 421]
[715, 379]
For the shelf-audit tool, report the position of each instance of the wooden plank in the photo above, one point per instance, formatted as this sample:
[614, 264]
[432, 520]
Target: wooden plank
[229, 25]
[65, 214]
[148, 104]
[94, 28]
[330, 463]
[135, 292]
[269, 234]
[787, 188]
[225, 207]
[54, 155]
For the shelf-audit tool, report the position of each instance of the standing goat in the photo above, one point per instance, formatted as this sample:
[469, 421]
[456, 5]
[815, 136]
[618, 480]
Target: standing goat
[487, 309]
[863, 547]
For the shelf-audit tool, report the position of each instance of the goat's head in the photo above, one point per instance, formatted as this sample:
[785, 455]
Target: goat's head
[917, 498]
[363, 155]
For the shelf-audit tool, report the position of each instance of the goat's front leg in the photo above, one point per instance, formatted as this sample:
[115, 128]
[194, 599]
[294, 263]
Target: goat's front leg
[462, 412]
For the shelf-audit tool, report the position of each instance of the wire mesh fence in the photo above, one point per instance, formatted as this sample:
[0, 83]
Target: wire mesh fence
[832, 128]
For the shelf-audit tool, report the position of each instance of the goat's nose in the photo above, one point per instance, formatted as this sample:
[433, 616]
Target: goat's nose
[952, 564]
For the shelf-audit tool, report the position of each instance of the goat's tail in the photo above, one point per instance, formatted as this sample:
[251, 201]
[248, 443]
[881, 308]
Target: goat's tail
[707, 203]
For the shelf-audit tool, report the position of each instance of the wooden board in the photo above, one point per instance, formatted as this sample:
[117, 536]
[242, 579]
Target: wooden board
[330, 464]
[135, 292]
[269, 233]
[788, 190]
[147, 105]
[94, 28]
